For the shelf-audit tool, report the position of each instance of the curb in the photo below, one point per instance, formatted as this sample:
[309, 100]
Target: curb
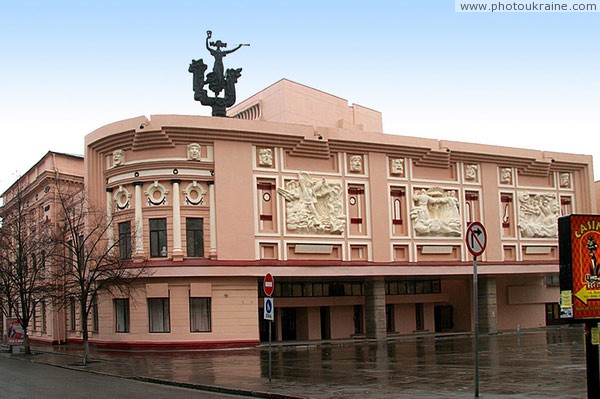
[218, 389]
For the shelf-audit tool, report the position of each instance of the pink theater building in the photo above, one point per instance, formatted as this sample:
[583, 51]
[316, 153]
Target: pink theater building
[363, 231]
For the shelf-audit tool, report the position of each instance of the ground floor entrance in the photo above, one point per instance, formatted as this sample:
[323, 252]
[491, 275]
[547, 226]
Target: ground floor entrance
[340, 309]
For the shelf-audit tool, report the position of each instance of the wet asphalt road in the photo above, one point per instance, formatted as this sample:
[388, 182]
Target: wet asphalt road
[544, 363]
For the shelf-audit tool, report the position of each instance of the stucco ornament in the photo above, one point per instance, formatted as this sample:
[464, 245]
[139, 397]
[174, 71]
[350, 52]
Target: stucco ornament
[538, 215]
[157, 194]
[265, 157]
[122, 197]
[435, 212]
[398, 166]
[118, 157]
[193, 152]
[505, 175]
[565, 180]
[356, 164]
[194, 194]
[471, 172]
[313, 205]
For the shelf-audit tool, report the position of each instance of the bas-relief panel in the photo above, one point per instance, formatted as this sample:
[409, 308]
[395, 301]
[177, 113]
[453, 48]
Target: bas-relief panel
[538, 215]
[435, 213]
[313, 206]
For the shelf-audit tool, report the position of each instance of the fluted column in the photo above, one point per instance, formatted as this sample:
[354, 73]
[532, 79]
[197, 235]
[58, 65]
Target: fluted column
[110, 233]
[213, 220]
[139, 222]
[177, 250]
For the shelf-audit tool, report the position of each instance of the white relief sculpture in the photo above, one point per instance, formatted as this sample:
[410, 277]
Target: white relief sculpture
[265, 157]
[313, 205]
[193, 151]
[471, 172]
[356, 163]
[122, 197]
[565, 180]
[156, 194]
[538, 215]
[118, 157]
[505, 175]
[435, 212]
[194, 194]
[398, 166]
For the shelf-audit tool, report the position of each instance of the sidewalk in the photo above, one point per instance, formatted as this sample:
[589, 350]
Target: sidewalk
[544, 363]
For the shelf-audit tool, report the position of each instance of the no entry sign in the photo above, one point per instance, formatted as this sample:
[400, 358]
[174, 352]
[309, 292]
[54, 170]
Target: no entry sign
[268, 284]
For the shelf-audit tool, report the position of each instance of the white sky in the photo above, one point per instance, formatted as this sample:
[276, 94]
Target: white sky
[529, 80]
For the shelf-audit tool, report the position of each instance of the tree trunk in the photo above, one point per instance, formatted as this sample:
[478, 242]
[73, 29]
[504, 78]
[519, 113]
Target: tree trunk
[84, 334]
[26, 343]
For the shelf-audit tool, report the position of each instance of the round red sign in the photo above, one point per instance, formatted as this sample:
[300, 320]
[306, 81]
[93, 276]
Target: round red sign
[268, 284]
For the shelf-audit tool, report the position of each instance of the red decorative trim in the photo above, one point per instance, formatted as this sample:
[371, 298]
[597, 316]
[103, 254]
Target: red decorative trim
[471, 196]
[565, 201]
[505, 198]
[169, 345]
[397, 193]
[505, 225]
[265, 186]
[266, 217]
[355, 190]
[397, 221]
[356, 220]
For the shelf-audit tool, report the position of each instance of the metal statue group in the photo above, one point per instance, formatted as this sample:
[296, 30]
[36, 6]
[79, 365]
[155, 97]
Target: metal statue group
[219, 80]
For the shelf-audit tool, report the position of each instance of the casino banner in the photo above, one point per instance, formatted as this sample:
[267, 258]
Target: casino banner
[579, 243]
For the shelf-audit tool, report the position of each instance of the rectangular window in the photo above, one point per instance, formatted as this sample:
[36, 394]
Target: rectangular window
[121, 307]
[125, 240]
[194, 237]
[200, 318]
[72, 316]
[158, 315]
[95, 314]
[158, 238]
[43, 304]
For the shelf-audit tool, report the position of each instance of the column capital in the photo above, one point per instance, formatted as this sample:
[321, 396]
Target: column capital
[210, 182]
[109, 190]
[173, 181]
[138, 183]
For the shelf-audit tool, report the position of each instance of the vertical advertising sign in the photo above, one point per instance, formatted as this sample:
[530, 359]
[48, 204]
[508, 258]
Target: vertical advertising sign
[579, 241]
[14, 332]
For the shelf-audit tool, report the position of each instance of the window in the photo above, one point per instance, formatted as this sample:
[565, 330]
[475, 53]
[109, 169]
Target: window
[158, 238]
[125, 240]
[200, 315]
[72, 316]
[194, 237]
[95, 314]
[43, 305]
[158, 315]
[121, 306]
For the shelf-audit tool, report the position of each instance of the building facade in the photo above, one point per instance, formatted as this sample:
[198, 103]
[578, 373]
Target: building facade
[35, 193]
[363, 231]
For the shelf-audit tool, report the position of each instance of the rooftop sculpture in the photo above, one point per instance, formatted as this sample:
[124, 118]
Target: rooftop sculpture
[218, 80]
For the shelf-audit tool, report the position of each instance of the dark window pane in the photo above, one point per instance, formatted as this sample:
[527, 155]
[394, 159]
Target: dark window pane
[194, 237]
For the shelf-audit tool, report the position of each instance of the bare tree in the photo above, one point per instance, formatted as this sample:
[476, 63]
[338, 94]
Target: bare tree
[25, 244]
[91, 262]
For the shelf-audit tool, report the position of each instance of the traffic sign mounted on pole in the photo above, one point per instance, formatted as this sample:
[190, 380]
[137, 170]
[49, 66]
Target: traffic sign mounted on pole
[269, 313]
[268, 284]
[476, 238]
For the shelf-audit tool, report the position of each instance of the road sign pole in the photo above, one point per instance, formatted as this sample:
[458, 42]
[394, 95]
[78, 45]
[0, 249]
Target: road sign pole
[476, 324]
[270, 324]
[591, 360]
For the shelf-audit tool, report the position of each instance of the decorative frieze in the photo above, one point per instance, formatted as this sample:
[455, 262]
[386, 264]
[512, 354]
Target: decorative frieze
[435, 212]
[313, 206]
